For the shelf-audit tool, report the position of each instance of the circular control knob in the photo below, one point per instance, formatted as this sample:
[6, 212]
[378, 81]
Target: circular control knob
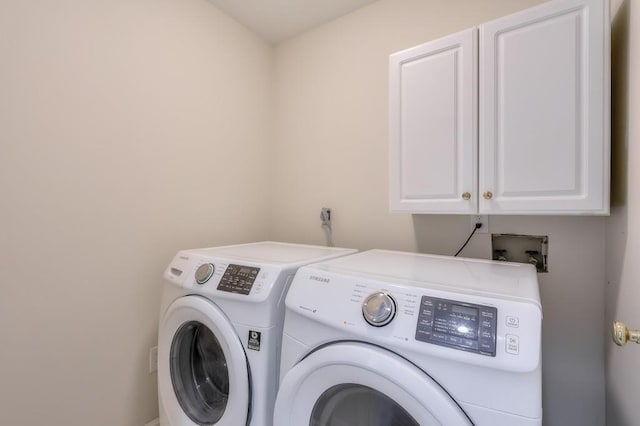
[379, 309]
[204, 272]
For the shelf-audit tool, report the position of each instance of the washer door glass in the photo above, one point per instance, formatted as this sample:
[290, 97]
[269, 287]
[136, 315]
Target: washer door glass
[358, 405]
[199, 373]
[358, 384]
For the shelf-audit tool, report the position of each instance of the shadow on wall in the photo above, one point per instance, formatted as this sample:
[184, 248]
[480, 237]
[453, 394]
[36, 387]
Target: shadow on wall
[619, 103]
[618, 224]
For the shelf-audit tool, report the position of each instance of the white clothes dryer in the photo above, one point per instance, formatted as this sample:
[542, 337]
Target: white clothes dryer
[220, 331]
[385, 338]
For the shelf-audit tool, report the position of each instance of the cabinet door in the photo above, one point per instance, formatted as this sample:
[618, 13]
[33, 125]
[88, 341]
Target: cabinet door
[433, 126]
[544, 116]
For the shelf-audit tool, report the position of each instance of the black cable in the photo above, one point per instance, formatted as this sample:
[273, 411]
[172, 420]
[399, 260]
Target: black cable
[478, 226]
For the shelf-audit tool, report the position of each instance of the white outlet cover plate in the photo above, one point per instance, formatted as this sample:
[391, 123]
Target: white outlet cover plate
[484, 229]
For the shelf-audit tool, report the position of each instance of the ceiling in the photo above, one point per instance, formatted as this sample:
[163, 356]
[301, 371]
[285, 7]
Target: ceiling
[277, 20]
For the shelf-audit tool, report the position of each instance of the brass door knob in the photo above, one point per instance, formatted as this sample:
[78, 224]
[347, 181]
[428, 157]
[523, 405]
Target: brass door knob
[487, 195]
[621, 334]
[466, 196]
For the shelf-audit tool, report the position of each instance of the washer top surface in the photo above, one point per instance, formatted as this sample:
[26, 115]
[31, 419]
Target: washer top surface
[253, 272]
[273, 253]
[502, 279]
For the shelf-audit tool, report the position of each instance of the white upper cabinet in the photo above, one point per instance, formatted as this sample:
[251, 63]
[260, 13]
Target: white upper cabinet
[544, 121]
[433, 104]
[544, 138]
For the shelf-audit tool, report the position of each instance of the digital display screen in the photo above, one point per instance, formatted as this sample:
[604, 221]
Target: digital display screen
[464, 310]
[453, 322]
[457, 325]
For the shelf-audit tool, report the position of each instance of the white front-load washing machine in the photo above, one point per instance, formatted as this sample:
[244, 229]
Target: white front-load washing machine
[383, 338]
[221, 328]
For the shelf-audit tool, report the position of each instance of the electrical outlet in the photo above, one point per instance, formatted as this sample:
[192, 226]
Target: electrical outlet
[153, 359]
[325, 215]
[484, 220]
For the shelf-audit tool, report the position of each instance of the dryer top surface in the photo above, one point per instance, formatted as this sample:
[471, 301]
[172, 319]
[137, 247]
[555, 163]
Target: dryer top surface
[274, 253]
[511, 280]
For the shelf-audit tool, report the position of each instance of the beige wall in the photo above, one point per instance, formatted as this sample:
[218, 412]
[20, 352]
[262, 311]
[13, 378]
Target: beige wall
[120, 119]
[331, 116]
[623, 231]
[121, 124]
[331, 151]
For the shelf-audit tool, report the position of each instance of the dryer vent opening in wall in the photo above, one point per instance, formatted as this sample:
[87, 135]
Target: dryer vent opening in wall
[533, 249]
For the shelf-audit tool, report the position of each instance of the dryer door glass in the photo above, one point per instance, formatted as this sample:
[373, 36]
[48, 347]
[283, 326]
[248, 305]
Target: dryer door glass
[357, 405]
[199, 373]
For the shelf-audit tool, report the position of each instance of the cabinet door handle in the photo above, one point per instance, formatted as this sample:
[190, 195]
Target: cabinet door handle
[466, 196]
[621, 334]
[487, 195]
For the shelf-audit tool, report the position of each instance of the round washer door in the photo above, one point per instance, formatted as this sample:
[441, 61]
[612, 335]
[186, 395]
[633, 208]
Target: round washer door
[357, 384]
[203, 377]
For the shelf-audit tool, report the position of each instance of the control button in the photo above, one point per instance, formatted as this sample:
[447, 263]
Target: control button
[470, 344]
[512, 344]
[438, 337]
[204, 272]
[454, 340]
[487, 314]
[486, 346]
[423, 334]
[424, 322]
[513, 322]
[379, 309]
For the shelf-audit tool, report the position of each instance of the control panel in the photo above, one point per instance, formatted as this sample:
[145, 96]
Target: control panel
[238, 279]
[225, 278]
[458, 325]
[453, 323]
